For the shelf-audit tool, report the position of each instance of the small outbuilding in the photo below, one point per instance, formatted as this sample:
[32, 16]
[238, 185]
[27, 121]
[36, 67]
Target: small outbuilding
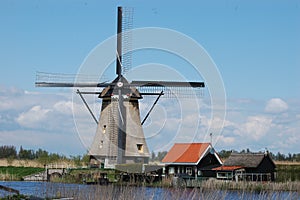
[192, 159]
[247, 166]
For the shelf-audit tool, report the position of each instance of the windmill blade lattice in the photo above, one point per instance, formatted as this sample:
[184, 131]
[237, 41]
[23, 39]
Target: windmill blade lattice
[44, 79]
[127, 25]
[172, 92]
[171, 88]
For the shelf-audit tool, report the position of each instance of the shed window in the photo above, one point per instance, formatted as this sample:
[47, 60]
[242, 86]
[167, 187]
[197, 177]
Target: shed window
[140, 148]
[199, 173]
[224, 175]
[188, 170]
[171, 170]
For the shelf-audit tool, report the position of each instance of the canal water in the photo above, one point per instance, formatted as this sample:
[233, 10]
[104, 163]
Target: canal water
[78, 191]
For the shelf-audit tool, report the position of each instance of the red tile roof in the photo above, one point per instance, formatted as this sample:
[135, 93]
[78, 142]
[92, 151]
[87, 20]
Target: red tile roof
[186, 152]
[227, 168]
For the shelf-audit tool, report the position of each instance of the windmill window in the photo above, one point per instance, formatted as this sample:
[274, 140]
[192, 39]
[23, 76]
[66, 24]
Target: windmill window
[104, 128]
[101, 144]
[140, 148]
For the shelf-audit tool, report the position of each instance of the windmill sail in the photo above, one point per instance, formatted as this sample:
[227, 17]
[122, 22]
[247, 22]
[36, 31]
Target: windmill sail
[127, 25]
[44, 79]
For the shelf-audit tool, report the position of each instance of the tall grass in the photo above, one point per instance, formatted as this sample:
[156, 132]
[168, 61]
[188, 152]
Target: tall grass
[288, 172]
[213, 184]
[129, 192]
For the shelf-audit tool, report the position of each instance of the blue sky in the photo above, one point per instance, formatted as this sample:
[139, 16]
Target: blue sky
[255, 45]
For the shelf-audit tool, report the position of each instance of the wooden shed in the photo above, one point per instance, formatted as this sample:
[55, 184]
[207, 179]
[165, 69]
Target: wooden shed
[247, 166]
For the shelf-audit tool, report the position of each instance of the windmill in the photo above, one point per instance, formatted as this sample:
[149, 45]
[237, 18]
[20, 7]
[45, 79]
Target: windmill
[119, 136]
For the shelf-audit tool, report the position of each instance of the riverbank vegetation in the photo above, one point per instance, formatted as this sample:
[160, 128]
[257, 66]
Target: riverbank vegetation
[128, 192]
[75, 192]
[213, 184]
[287, 171]
[40, 157]
[90, 175]
[17, 173]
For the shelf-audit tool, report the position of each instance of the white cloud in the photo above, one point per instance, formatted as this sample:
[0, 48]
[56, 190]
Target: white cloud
[64, 107]
[256, 126]
[226, 140]
[276, 105]
[33, 117]
[218, 123]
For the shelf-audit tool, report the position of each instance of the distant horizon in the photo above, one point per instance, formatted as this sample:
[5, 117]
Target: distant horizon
[246, 150]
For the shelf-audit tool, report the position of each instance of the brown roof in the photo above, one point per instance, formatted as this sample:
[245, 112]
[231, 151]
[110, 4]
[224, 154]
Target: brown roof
[250, 160]
[186, 152]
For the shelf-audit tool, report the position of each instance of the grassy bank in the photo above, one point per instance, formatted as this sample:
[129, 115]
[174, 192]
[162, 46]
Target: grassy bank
[84, 175]
[288, 172]
[16, 173]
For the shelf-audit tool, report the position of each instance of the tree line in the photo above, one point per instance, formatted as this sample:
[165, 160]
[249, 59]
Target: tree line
[43, 156]
[10, 152]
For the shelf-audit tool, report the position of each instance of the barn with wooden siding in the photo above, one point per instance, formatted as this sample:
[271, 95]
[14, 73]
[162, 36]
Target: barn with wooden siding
[247, 166]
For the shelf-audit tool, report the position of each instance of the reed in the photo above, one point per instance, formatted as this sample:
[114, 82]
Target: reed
[213, 184]
[208, 191]
[130, 192]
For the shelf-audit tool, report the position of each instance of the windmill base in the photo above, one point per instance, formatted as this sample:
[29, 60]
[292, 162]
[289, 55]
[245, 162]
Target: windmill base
[110, 162]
